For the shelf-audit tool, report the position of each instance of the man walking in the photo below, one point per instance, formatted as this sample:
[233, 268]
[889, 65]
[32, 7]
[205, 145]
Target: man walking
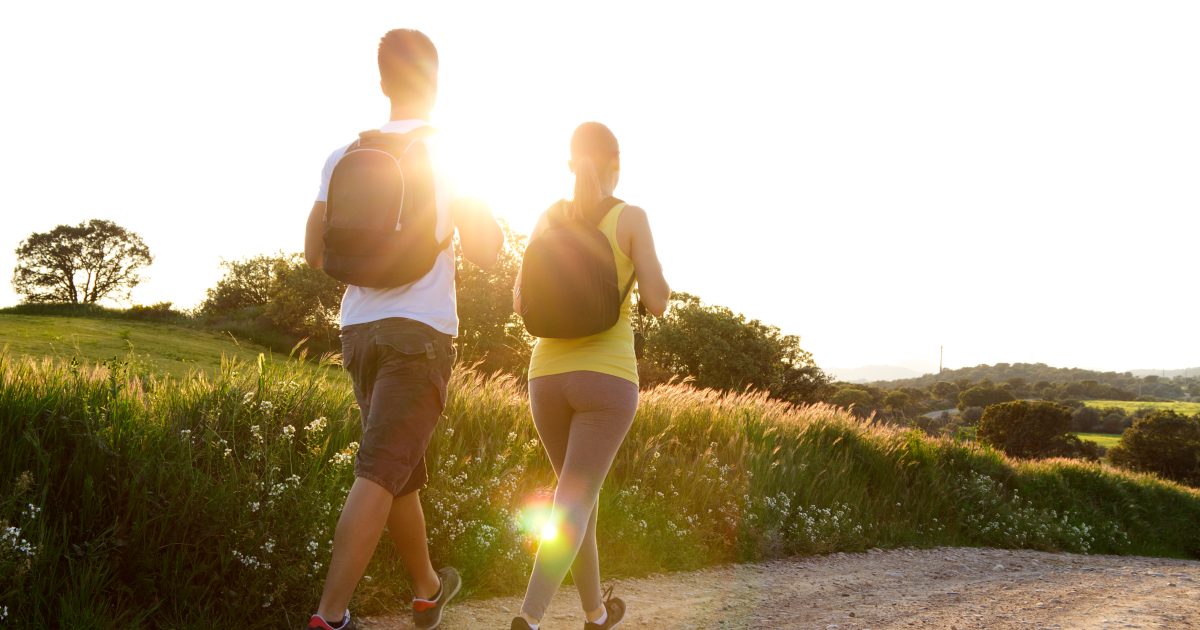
[398, 319]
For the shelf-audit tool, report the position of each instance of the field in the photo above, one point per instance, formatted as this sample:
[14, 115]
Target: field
[1107, 440]
[166, 349]
[131, 500]
[1129, 406]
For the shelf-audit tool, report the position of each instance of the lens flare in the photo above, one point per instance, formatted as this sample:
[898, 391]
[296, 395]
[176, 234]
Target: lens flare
[536, 519]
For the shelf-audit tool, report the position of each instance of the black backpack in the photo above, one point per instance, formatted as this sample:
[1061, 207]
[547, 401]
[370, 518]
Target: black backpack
[381, 212]
[569, 286]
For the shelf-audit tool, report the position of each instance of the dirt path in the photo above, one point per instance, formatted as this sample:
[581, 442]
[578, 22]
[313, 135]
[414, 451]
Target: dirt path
[936, 588]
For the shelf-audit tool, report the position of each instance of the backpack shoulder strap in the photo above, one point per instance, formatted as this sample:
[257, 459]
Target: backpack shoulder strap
[395, 143]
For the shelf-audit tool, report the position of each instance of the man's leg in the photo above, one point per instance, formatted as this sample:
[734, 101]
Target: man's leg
[406, 526]
[358, 531]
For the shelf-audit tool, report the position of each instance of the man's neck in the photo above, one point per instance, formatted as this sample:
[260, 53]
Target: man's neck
[408, 112]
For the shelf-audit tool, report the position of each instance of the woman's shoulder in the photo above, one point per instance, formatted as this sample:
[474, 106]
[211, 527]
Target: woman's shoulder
[633, 217]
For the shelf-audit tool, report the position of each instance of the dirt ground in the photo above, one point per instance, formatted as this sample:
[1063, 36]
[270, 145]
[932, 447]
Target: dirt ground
[934, 588]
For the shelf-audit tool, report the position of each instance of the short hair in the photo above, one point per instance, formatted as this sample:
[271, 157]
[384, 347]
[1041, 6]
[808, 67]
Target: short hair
[408, 65]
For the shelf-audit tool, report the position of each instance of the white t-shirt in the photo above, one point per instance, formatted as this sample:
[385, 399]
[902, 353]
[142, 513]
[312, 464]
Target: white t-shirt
[430, 300]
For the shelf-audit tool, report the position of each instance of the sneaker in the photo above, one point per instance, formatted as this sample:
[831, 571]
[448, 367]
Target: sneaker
[519, 623]
[427, 613]
[616, 612]
[317, 622]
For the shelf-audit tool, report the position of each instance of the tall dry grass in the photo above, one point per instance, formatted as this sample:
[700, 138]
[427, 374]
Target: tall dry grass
[128, 499]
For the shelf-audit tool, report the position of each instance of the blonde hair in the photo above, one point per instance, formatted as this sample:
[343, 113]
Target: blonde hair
[593, 147]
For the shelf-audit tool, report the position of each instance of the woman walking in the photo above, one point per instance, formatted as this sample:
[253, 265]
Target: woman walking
[583, 390]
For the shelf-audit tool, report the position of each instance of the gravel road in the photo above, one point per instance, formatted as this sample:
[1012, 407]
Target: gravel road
[953, 588]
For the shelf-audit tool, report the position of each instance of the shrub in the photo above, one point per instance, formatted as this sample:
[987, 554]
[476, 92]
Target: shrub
[983, 395]
[160, 312]
[1164, 442]
[1029, 429]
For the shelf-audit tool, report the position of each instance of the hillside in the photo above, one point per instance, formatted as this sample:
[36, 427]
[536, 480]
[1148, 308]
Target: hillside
[218, 496]
[1031, 373]
[163, 348]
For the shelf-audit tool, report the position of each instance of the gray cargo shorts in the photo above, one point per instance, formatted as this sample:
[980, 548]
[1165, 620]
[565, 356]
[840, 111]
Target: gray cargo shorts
[401, 369]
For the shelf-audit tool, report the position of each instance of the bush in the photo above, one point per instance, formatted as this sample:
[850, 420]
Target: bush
[276, 301]
[1164, 442]
[971, 415]
[1029, 429]
[983, 395]
[160, 312]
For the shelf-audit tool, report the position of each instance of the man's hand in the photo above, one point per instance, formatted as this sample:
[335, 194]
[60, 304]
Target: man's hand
[478, 231]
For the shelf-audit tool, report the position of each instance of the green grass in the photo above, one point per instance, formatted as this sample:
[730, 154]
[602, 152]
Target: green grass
[165, 348]
[1107, 440]
[1130, 406]
[137, 500]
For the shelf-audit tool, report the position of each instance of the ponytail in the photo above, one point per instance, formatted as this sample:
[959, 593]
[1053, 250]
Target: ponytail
[587, 188]
[593, 149]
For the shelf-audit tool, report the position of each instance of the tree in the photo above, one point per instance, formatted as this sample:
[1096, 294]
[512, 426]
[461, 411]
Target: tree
[944, 390]
[277, 300]
[983, 395]
[897, 401]
[855, 398]
[1164, 442]
[80, 264]
[1085, 419]
[490, 333]
[1025, 428]
[720, 349]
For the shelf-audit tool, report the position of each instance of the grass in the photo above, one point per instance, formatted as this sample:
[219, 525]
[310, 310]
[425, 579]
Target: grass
[1130, 406]
[137, 500]
[1107, 440]
[165, 348]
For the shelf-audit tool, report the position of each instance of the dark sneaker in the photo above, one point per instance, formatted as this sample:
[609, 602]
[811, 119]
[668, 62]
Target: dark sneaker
[427, 613]
[318, 623]
[616, 612]
[519, 623]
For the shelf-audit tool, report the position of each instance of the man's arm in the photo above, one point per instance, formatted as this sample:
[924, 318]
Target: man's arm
[314, 232]
[478, 232]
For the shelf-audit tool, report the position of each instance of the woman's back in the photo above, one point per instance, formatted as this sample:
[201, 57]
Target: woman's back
[610, 352]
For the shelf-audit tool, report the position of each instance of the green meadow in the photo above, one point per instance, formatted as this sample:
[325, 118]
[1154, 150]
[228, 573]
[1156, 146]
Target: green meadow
[133, 497]
[1130, 406]
[164, 348]
[1107, 440]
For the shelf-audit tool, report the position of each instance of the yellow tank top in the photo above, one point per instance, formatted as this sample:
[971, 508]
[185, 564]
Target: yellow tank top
[609, 352]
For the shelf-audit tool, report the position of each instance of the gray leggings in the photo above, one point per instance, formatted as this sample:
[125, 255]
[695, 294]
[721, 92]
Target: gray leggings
[582, 418]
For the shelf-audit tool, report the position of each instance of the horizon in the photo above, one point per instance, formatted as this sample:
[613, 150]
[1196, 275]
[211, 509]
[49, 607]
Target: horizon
[1016, 183]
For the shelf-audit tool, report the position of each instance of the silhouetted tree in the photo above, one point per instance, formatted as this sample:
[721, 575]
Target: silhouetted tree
[80, 264]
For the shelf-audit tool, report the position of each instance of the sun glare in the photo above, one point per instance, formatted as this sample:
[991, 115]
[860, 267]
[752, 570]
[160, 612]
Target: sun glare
[536, 519]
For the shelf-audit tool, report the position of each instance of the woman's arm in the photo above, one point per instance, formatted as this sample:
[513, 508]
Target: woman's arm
[635, 237]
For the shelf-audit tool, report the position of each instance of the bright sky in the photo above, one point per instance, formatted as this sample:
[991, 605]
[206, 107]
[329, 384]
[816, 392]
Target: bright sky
[1015, 180]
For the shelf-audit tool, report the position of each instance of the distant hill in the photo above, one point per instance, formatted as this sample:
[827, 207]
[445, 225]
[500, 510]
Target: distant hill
[1168, 373]
[1029, 372]
[873, 373]
[168, 348]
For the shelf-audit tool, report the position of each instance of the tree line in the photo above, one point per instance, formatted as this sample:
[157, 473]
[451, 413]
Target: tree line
[279, 301]
[1026, 410]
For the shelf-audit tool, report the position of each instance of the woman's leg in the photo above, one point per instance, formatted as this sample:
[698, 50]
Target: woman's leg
[603, 411]
[586, 568]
